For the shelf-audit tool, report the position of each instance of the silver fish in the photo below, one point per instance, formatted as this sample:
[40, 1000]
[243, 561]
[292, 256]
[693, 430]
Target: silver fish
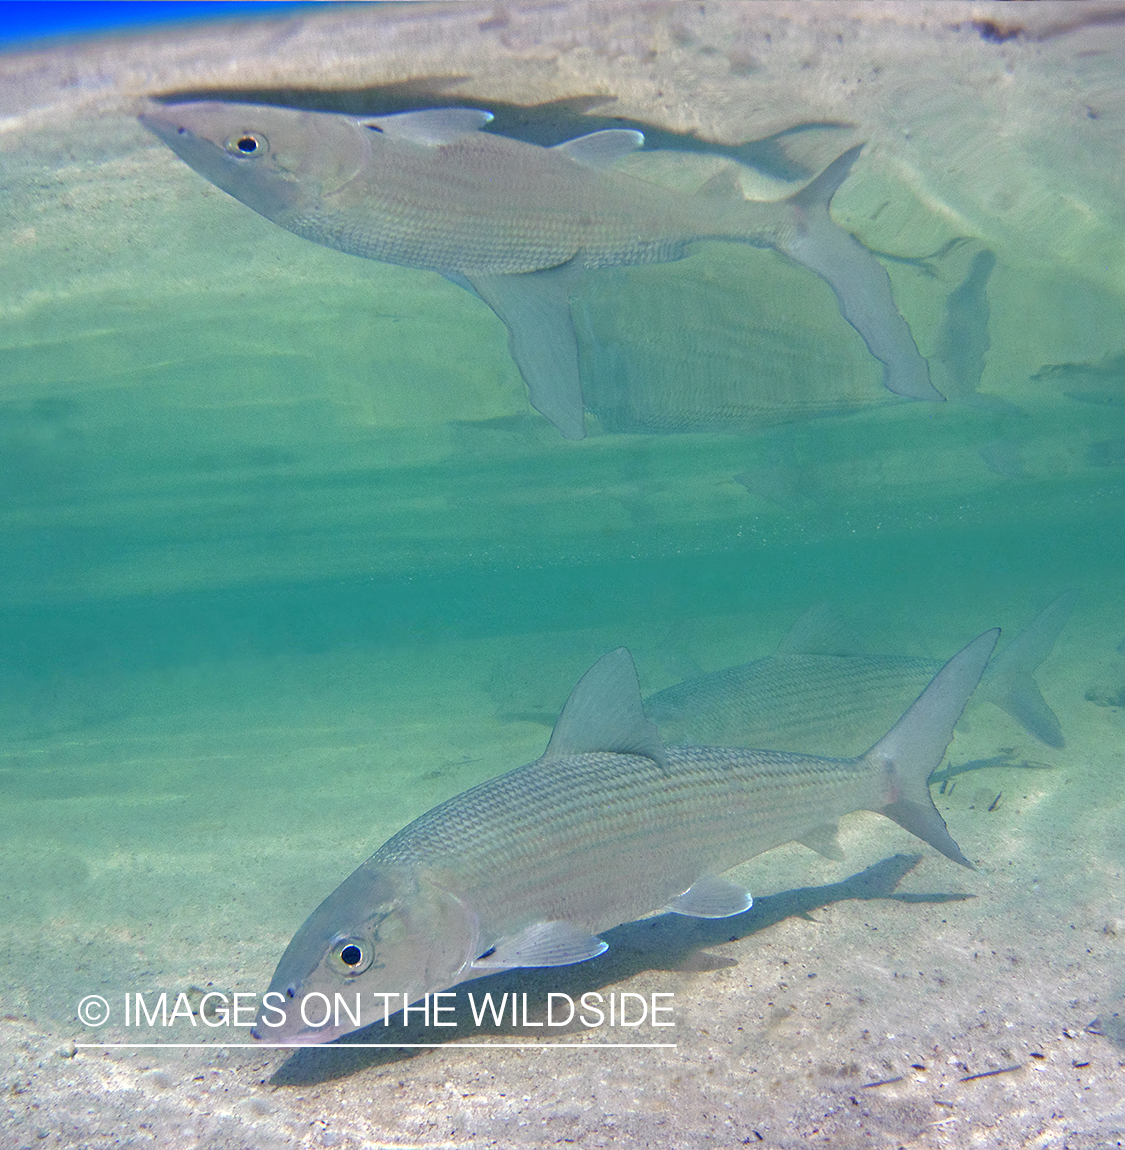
[526, 869]
[800, 700]
[516, 223]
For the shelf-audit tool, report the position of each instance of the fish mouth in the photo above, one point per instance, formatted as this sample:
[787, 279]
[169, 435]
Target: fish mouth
[196, 151]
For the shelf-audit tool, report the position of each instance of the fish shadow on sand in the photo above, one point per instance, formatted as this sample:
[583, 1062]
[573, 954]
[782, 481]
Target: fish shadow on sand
[665, 942]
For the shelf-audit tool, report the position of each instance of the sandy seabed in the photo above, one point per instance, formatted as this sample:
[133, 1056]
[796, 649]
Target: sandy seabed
[890, 1000]
[168, 829]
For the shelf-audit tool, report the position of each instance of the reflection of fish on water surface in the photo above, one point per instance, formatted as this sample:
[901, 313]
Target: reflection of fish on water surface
[610, 824]
[516, 223]
[721, 351]
[671, 350]
[800, 699]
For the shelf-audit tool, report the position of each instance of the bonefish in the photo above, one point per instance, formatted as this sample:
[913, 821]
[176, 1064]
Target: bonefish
[516, 223]
[802, 699]
[525, 869]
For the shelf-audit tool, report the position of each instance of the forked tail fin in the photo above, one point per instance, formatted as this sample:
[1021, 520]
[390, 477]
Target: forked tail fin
[860, 282]
[1009, 681]
[911, 750]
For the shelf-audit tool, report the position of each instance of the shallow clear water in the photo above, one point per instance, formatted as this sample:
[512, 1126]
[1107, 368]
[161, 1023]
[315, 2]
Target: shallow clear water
[288, 559]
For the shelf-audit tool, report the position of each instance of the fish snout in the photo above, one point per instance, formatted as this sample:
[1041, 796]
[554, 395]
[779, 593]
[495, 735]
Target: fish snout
[170, 129]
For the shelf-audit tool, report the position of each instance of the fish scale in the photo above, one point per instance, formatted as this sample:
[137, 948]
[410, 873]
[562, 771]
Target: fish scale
[600, 793]
[792, 700]
[839, 704]
[516, 224]
[540, 815]
[607, 826]
[410, 211]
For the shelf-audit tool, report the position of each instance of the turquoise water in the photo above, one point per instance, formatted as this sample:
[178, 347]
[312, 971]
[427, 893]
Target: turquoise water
[288, 560]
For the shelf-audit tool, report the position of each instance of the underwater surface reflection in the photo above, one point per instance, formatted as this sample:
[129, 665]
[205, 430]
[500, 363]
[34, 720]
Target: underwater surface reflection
[295, 550]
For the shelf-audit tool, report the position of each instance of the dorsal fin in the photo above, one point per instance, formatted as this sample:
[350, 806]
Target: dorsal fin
[604, 713]
[432, 126]
[819, 631]
[601, 149]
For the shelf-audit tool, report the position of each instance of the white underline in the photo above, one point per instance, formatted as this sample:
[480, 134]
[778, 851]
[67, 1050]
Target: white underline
[376, 1046]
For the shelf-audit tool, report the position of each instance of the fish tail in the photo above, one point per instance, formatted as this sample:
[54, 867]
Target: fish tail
[1009, 681]
[909, 753]
[860, 282]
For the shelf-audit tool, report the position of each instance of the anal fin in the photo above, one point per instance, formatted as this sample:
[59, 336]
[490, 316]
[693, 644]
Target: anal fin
[823, 840]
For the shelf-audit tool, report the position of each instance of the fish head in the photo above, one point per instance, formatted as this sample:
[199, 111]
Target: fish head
[384, 933]
[275, 160]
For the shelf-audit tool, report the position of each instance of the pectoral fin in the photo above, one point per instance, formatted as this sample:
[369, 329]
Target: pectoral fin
[535, 308]
[542, 944]
[431, 126]
[711, 897]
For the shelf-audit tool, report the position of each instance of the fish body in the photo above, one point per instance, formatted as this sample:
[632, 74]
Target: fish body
[803, 700]
[525, 869]
[399, 208]
[791, 701]
[517, 223]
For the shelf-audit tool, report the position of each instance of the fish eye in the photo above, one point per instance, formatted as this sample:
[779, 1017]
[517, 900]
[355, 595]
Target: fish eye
[248, 144]
[351, 955]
